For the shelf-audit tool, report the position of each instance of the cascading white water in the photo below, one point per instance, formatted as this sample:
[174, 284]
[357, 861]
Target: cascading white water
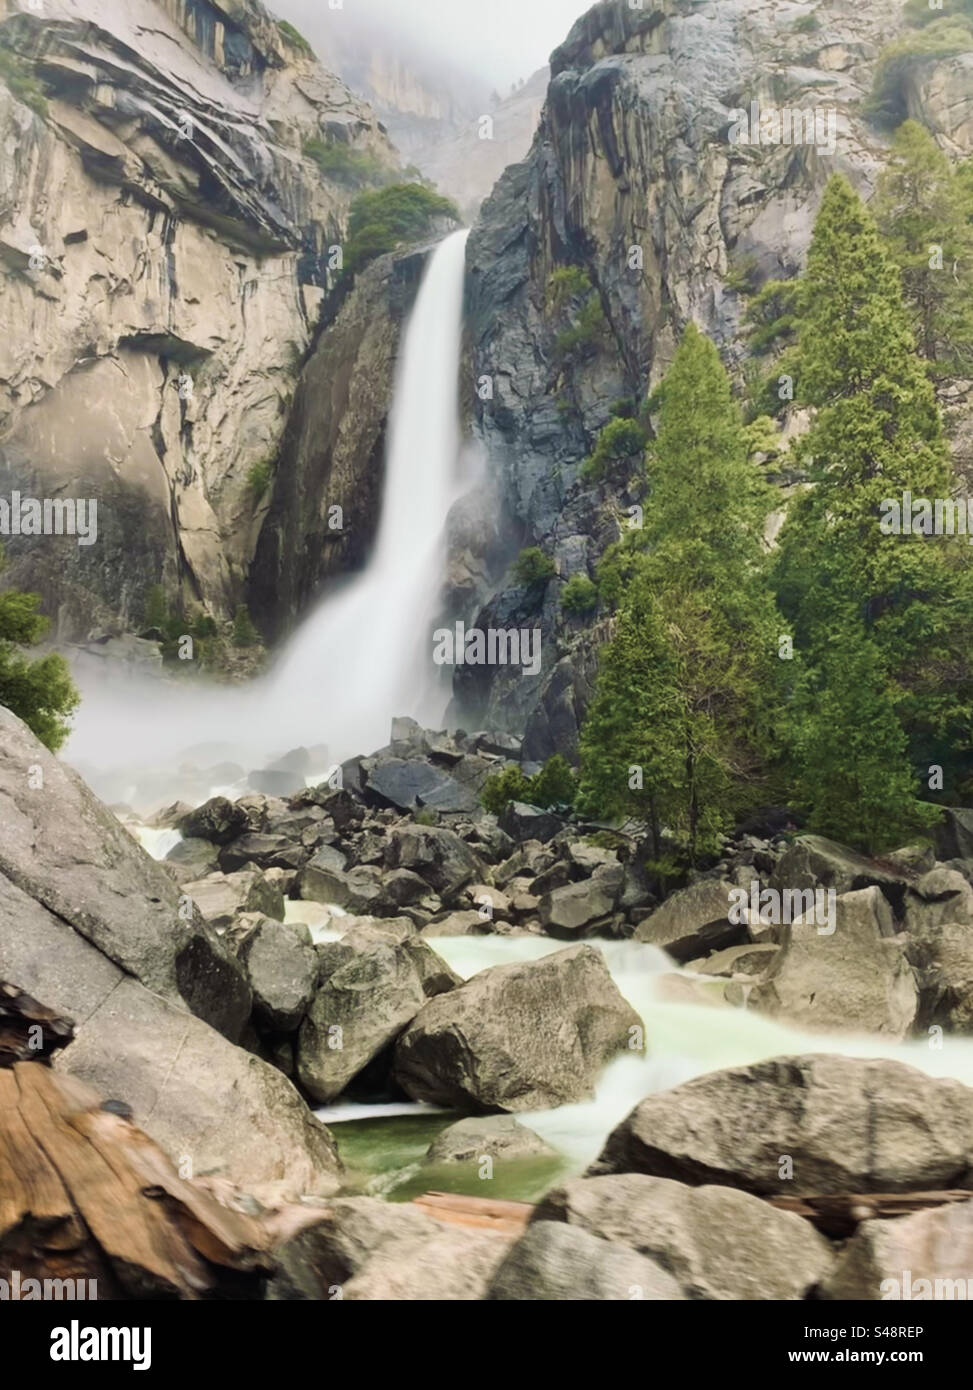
[365, 654]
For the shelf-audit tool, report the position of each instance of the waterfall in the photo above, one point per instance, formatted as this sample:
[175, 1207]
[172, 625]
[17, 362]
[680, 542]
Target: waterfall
[365, 653]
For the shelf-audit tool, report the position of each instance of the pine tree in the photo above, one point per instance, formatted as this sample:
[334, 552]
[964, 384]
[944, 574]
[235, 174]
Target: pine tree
[688, 680]
[855, 781]
[920, 210]
[40, 692]
[876, 434]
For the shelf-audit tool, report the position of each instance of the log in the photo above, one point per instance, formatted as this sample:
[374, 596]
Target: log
[476, 1213]
[838, 1214]
[86, 1195]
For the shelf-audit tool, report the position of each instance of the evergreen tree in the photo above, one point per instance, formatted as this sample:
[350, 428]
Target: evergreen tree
[40, 692]
[687, 682]
[876, 434]
[854, 779]
[921, 212]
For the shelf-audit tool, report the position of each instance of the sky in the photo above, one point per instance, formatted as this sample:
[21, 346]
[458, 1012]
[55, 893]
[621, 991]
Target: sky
[500, 40]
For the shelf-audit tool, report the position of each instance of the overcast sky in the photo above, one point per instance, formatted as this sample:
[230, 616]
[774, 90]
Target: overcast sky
[501, 40]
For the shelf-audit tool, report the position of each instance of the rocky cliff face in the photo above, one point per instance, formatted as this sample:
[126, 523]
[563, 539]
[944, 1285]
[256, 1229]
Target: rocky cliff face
[164, 247]
[633, 178]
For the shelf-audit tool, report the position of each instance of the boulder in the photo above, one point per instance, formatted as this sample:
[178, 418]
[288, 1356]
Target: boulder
[856, 978]
[458, 924]
[366, 1249]
[65, 851]
[493, 1136]
[954, 835]
[942, 896]
[693, 921]
[518, 1037]
[220, 897]
[336, 802]
[926, 1256]
[943, 957]
[437, 855]
[360, 891]
[213, 1107]
[375, 990]
[577, 907]
[555, 1262]
[282, 968]
[770, 1254]
[523, 822]
[217, 820]
[846, 1125]
[192, 859]
[812, 861]
[408, 784]
[266, 851]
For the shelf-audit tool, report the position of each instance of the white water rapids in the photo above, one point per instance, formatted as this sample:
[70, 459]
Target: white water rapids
[365, 653]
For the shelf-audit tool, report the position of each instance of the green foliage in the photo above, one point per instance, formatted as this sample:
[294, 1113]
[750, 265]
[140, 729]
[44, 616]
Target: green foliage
[244, 632]
[807, 24]
[380, 222]
[942, 38]
[295, 38]
[346, 165]
[743, 275]
[532, 567]
[576, 305]
[858, 787]
[579, 596]
[771, 316]
[16, 75]
[175, 624]
[922, 210]
[622, 441]
[426, 815]
[876, 434]
[259, 476]
[554, 785]
[920, 12]
[39, 691]
[156, 609]
[503, 788]
[686, 683]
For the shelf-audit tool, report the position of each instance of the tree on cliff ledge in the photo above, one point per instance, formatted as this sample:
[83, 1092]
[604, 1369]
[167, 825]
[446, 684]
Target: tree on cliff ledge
[40, 692]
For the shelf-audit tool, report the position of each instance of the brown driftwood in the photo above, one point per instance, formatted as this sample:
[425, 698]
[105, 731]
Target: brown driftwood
[839, 1214]
[479, 1213]
[85, 1194]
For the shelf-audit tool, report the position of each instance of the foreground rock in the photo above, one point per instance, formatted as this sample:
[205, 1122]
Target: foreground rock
[844, 1125]
[552, 1261]
[716, 1241]
[693, 921]
[365, 1249]
[518, 1037]
[63, 850]
[925, 1256]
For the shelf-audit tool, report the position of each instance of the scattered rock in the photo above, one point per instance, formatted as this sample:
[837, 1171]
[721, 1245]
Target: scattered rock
[553, 1261]
[496, 1136]
[693, 921]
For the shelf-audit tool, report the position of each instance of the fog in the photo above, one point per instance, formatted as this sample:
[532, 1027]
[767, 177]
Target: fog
[501, 41]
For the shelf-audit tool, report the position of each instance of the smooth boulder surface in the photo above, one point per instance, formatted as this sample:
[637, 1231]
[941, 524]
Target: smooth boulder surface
[693, 921]
[361, 1006]
[857, 979]
[487, 1136]
[60, 847]
[364, 1249]
[518, 1037]
[847, 1125]
[282, 967]
[925, 1256]
[717, 1242]
[437, 855]
[552, 1261]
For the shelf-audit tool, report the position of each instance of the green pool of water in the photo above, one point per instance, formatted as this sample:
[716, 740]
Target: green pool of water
[383, 1158]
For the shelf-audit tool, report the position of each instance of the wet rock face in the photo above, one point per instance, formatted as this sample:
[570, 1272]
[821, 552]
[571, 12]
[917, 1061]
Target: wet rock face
[632, 153]
[166, 249]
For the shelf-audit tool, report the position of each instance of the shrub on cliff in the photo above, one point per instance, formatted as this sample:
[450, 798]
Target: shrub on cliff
[40, 692]
[391, 217]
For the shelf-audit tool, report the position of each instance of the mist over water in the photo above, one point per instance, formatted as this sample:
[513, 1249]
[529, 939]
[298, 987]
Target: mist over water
[364, 654]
